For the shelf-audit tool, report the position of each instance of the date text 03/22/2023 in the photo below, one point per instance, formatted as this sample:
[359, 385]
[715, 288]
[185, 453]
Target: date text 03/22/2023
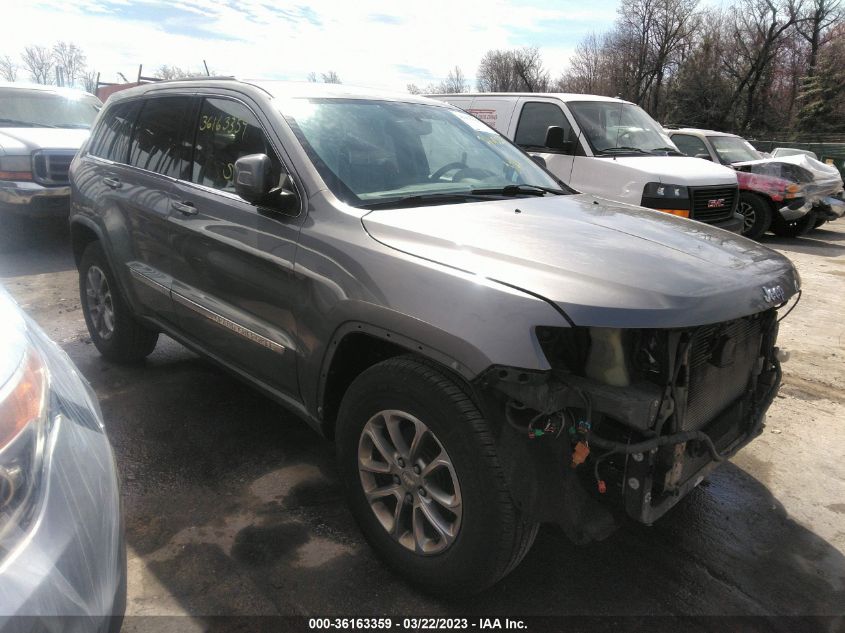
[415, 624]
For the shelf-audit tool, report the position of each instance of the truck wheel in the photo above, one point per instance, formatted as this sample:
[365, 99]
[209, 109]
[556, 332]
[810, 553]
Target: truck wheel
[114, 330]
[756, 215]
[794, 228]
[423, 479]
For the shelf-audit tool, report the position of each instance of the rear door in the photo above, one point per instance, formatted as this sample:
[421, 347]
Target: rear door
[534, 117]
[233, 286]
[156, 157]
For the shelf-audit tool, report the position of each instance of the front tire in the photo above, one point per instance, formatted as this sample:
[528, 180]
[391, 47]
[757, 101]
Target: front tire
[423, 479]
[756, 215]
[114, 330]
[794, 228]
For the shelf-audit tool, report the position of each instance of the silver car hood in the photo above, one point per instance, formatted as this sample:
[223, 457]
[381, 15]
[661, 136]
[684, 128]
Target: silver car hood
[604, 264]
[24, 140]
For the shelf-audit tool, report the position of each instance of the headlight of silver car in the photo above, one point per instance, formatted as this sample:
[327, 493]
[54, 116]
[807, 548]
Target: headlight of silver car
[23, 420]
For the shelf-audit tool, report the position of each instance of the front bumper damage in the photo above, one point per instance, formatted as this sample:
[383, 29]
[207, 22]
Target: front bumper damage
[583, 453]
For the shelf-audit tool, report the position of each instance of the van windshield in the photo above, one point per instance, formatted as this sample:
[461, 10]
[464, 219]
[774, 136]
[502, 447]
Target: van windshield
[613, 128]
[31, 108]
[375, 153]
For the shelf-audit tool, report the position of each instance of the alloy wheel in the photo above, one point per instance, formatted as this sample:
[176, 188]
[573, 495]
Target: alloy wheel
[410, 482]
[749, 216]
[100, 305]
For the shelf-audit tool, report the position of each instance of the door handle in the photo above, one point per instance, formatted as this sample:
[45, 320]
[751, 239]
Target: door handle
[114, 183]
[185, 208]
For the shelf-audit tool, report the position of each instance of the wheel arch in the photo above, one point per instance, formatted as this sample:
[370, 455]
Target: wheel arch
[358, 345]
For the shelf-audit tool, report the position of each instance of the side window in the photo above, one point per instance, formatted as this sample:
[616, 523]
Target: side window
[690, 145]
[534, 122]
[226, 130]
[157, 139]
[111, 139]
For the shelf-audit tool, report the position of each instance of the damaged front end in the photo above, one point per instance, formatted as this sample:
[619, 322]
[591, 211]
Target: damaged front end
[630, 420]
[797, 184]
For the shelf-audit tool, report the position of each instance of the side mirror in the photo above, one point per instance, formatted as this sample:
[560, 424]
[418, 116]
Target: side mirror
[539, 160]
[556, 140]
[704, 156]
[253, 177]
[254, 183]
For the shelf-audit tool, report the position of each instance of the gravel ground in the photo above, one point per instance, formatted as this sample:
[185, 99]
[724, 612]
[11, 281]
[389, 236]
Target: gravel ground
[233, 506]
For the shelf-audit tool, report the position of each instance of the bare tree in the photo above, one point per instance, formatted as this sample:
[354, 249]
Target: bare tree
[512, 70]
[8, 69]
[38, 60]
[586, 68]
[330, 77]
[818, 16]
[454, 83]
[89, 82]
[166, 71]
[70, 60]
[311, 77]
[758, 28]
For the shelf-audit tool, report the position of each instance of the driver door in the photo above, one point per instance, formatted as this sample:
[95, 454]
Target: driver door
[533, 118]
[233, 279]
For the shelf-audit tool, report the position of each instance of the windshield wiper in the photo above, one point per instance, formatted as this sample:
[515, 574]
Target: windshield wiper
[513, 190]
[25, 123]
[624, 148]
[668, 150]
[74, 126]
[422, 199]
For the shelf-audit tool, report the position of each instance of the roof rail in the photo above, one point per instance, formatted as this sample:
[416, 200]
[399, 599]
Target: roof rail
[201, 78]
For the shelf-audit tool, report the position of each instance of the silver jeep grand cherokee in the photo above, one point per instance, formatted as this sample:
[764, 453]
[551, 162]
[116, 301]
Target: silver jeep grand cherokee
[488, 349]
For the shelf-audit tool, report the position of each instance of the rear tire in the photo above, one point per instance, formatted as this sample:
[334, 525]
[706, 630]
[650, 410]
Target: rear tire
[756, 215]
[485, 536]
[114, 330]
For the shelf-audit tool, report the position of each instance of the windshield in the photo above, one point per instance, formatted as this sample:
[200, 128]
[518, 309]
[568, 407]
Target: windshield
[23, 108]
[614, 128]
[732, 149]
[380, 151]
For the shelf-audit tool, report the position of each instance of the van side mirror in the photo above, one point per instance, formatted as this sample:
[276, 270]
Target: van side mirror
[556, 140]
[539, 160]
[253, 177]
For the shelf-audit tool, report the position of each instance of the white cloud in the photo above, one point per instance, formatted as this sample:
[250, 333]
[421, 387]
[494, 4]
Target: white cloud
[377, 43]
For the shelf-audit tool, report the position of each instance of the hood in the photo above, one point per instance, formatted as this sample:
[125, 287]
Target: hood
[676, 170]
[603, 264]
[791, 167]
[24, 140]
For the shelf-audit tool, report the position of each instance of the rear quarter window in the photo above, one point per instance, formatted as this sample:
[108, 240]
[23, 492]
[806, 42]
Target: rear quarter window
[111, 138]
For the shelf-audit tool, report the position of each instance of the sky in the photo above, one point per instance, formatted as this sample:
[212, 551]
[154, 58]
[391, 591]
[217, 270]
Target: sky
[377, 43]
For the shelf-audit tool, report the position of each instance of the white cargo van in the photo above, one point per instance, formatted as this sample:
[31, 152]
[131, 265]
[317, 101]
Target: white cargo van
[610, 148]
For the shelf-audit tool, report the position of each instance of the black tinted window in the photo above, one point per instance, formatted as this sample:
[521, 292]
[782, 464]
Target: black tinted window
[534, 123]
[111, 138]
[690, 145]
[157, 140]
[226, 130]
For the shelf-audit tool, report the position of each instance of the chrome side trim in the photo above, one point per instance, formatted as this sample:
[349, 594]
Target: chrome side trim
[240, 330]
[152, 283]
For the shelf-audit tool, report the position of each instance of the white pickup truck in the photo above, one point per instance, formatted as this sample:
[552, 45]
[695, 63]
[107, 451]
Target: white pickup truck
[610, 148]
